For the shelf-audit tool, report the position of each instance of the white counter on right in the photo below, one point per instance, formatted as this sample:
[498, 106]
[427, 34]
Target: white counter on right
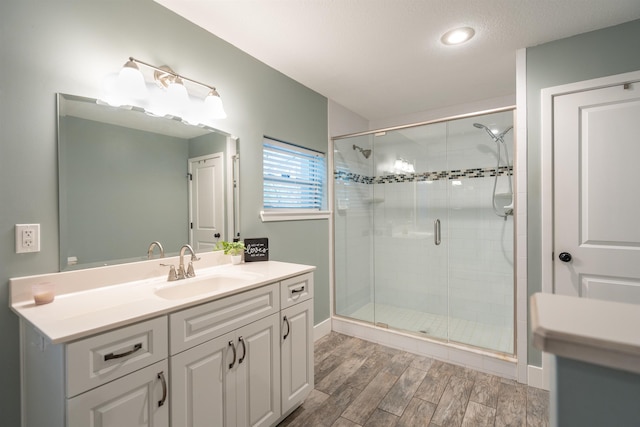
[596, 344]
[600, 332]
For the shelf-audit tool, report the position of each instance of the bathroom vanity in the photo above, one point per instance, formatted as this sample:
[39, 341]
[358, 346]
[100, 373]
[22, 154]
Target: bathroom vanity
[121, 346]
[596, 359]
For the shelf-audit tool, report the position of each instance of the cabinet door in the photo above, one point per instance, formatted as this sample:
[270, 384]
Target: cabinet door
[202, 385]
[135, 400]
[258, 373]
[297, 354]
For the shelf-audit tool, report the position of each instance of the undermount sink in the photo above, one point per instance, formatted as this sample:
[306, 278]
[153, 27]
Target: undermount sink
[199, 286]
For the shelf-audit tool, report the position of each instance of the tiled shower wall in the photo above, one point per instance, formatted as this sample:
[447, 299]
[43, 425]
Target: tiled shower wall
[385, 250]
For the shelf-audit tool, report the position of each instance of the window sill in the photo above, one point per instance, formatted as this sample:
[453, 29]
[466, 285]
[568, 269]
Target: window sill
[270, 216]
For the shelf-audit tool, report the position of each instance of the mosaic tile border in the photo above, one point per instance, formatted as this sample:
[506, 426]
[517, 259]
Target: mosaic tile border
[340, 175]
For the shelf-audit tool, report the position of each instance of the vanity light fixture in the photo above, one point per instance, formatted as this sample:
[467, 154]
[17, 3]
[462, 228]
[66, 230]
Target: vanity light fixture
[168, 97]
[131, 80]
[457, 36]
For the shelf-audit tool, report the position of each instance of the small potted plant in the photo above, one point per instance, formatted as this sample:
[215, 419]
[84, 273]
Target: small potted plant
[235, 249]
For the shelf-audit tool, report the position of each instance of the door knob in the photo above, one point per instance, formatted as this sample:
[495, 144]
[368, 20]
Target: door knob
[565, 256]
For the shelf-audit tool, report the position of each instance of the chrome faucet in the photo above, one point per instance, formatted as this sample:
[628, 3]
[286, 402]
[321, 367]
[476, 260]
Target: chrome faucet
[182, 274]
[150, 250]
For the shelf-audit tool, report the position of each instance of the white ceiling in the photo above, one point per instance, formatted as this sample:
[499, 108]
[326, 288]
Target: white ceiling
[383, 58]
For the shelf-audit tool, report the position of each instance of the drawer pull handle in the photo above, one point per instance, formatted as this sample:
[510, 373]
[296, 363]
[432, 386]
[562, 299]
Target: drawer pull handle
[298, 290]
[234, 354]
[288, 328]
[121, 355]
[244, 350]
[163, 381]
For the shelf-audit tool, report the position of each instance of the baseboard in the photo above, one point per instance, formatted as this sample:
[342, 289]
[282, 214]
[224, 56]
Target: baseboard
[480, 360]
[535, 377]
[321, 329]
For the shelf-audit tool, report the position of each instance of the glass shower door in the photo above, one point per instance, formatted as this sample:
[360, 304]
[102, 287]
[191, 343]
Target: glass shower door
[410, 243]
[353, 225]
[424, 230]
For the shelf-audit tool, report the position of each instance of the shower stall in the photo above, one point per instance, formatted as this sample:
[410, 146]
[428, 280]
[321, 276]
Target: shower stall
[424, 230]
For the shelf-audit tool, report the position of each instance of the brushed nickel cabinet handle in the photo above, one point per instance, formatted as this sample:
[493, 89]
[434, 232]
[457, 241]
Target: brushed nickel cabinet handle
[244, 350]
[125, 354]
[163, 381]
[288, 328]
[234, 354]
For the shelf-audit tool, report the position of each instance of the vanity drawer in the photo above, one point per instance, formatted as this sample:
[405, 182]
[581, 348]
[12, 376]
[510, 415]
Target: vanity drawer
[199, 324]
[102, 358]
[296, 289]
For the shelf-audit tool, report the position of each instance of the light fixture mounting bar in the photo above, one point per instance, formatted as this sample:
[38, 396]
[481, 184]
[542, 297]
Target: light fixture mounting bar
[167, 70]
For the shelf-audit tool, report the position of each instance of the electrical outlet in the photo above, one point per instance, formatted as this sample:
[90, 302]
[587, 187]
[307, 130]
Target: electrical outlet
[27, 238]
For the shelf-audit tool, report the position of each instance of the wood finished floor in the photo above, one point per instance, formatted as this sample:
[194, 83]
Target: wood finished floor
[359, 383]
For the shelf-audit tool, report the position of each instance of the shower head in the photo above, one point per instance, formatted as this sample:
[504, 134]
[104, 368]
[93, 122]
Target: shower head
[496, 138]
[365, 153]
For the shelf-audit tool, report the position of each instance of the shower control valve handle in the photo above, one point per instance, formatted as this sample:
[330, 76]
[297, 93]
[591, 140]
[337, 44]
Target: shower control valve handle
[564, 256]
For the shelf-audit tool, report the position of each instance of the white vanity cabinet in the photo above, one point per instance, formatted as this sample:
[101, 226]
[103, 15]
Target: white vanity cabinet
[114, 379]
[242, 359]
[297, 340]
[137, 399]
[231, 374]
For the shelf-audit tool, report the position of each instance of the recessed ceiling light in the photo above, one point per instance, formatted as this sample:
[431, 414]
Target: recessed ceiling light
[457, 36]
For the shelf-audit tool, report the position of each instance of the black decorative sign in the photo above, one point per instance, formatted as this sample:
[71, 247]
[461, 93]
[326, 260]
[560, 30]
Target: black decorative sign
[256, 249]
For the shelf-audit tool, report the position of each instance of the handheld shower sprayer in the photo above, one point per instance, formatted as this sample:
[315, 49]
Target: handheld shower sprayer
[499, 138]
[496, 138]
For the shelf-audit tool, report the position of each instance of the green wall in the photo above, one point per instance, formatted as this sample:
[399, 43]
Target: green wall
[605, 52]
[585, 394]
[68, 46]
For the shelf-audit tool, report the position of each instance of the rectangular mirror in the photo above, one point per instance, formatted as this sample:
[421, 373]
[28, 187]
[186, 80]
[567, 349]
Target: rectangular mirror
[126, 179]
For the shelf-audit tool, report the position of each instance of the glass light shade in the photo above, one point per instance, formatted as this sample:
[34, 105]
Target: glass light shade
[213, 106]
[177, 97]
[130, 83]
[108, 94]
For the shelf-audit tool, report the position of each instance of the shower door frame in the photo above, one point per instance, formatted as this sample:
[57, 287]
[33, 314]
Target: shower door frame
[451, 344]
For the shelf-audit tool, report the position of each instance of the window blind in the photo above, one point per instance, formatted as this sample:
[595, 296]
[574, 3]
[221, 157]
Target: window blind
[293, 177]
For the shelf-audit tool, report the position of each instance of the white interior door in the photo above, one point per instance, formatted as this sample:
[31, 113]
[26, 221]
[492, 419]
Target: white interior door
[206, 209]
[596, 206]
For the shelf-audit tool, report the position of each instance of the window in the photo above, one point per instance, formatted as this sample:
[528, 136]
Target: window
[294, 182]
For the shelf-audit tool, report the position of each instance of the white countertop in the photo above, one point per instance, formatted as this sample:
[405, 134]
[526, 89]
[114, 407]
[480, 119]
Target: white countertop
[95, 300]
[600, 332]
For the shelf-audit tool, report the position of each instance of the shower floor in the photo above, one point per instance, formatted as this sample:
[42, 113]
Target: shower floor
[464, 331]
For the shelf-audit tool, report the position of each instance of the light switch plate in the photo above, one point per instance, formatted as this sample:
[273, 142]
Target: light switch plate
[27, 238]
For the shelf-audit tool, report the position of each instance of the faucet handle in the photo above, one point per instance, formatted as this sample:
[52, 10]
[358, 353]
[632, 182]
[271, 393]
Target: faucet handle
[173, 276]
[190, 271]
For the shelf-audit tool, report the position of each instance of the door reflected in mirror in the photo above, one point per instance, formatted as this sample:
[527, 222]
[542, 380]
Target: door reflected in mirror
[127, 179]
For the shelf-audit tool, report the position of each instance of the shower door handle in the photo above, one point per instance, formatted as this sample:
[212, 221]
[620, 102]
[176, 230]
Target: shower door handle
[436, 232]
